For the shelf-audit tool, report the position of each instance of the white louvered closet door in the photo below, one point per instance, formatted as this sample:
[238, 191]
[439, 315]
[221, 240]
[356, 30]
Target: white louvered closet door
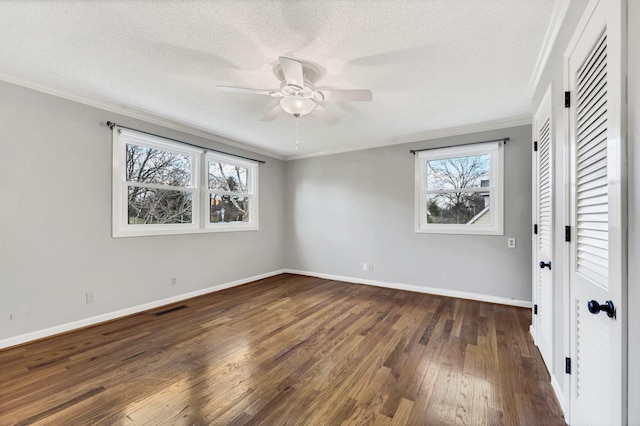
[596, 249]
[544, 237]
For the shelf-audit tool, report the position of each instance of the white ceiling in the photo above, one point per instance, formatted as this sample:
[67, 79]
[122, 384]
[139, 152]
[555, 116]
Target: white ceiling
[432, 64]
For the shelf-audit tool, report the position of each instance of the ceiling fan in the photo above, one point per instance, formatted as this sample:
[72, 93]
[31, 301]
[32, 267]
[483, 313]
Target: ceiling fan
[297, 94]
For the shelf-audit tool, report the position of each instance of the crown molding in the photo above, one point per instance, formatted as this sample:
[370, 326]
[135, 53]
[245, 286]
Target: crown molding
[523, 120]
[557, 17]
[116, 107]
[111, 105]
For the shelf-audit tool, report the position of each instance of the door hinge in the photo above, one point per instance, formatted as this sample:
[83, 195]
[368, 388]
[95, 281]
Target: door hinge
[535, 228]
[535, 145]
[535, 309]
[567, 99]
[567, 234]
[567, 365]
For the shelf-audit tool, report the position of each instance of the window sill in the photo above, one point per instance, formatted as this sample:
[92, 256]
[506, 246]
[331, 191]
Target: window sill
[457, 230]
[183, 231]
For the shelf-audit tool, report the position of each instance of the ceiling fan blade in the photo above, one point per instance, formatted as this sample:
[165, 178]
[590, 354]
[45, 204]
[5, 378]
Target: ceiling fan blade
[273, 114]
[247, 90]
[292, 71]
[325, 115]
[349, 95]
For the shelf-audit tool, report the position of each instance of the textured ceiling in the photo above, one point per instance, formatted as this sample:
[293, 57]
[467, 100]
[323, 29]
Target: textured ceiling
[431, 64]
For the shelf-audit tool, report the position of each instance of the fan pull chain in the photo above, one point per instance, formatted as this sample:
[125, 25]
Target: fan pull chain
[297, 143]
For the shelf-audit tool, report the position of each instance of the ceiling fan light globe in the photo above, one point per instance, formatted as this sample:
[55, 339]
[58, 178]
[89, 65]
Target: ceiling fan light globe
[297, 105]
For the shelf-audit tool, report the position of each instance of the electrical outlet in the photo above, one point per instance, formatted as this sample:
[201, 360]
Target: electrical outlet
[90, 297]
[365, 267]
[511, 242]
[370, 268]
[174, 281]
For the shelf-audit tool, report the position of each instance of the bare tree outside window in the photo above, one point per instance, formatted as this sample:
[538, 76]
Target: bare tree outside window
[228, 185]
[454, 190]
[460, 189]
[150, 170]
[164, 187]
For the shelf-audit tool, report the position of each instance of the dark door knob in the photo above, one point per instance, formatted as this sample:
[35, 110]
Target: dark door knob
[595, 308]
[545, 265]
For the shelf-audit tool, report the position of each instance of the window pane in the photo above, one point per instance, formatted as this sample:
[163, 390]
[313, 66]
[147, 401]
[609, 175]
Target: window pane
[458, 172]
[156, 206]
[228, 208]
[470, 208]
[150, 165]
[226, 177]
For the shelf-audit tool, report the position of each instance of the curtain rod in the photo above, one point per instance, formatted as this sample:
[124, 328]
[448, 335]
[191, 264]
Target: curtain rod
[504, 140]
[111, 125]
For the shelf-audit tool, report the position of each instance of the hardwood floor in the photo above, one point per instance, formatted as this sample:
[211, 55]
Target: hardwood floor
[288, 350]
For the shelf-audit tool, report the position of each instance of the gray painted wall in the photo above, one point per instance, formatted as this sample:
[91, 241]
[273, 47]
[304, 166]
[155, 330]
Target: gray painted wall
[55, 222]
[356, 207]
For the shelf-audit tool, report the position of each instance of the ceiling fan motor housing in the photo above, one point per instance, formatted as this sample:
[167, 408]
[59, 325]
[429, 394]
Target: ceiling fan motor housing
[297, 93]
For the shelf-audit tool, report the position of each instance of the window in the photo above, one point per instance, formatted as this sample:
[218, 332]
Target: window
[459, 190]
[231, 186]
[157, 188]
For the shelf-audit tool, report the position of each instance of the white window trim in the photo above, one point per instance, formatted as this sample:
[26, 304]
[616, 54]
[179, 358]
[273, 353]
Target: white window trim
[198, 187]
[496, 155]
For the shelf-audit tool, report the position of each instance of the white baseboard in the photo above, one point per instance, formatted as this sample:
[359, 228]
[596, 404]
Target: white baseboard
[418, 289]
[559, 395]
[557, 389]
[63, 328]
[532, 332]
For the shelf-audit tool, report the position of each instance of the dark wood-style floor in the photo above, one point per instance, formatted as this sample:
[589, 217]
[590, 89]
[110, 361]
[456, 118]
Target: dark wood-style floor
[288, 350]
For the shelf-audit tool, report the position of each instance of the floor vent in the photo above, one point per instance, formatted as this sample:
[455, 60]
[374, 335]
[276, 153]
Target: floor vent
[168, 311]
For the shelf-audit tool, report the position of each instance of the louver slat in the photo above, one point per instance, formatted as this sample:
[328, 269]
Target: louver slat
[594, 57]
[593, 226]
[594, 129]
[592, 209]
[596, 164]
